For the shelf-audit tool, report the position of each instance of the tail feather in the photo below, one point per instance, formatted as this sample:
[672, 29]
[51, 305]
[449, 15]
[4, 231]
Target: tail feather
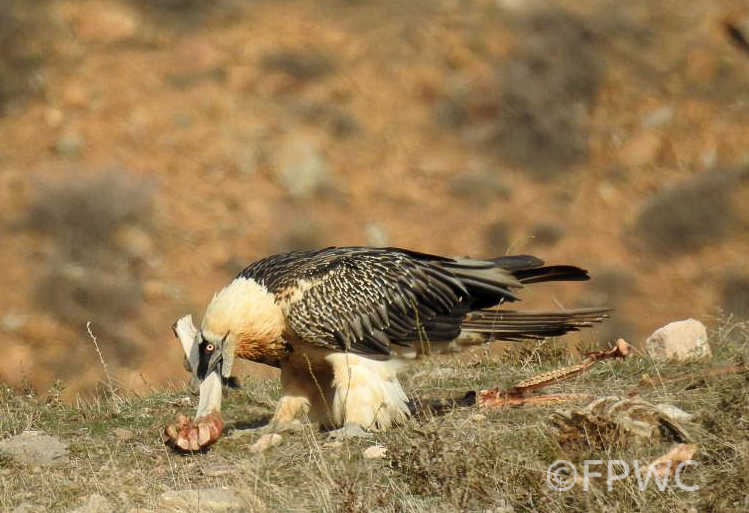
[491, 282]
[509, 325]
[551, 273]
[517, 262]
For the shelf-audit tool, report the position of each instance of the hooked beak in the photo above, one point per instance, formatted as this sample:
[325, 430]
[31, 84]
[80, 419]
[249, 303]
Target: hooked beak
[227, 356]
[214, 363]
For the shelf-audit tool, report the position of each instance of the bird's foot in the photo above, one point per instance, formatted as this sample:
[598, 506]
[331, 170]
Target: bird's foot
[349, 430]
[194, 435]
[273, 427]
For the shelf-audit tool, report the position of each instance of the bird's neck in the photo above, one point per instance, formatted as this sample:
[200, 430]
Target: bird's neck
[248, 311]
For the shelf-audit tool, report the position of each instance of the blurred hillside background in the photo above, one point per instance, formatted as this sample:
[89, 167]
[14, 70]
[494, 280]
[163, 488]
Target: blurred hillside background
[150, 149]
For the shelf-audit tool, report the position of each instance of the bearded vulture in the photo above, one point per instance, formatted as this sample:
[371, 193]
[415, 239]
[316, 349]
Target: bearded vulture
[341, 322]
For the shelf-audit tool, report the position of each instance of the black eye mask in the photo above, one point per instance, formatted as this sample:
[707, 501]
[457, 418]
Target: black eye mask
[204, 356]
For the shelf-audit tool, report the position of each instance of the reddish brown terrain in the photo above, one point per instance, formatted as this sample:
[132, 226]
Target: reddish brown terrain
[150, 149]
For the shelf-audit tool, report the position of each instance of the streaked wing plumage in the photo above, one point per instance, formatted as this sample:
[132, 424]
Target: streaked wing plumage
[365, 300]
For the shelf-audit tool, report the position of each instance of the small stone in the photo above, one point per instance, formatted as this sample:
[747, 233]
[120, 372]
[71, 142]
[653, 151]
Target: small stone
[303, 170]
[122, 434]
[679, 341]
[658, 118]
[12, 322]
[36, 449]
[266, 442]
[135, 241]
[377, 235]
[54, 117]
[216, 470]
[94, 504]
[105, 22]
[375, 452]
[69, 144]
[210, 499]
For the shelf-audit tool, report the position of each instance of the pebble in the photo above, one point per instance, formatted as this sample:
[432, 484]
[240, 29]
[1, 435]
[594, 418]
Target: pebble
[37, 449]
[375, 452]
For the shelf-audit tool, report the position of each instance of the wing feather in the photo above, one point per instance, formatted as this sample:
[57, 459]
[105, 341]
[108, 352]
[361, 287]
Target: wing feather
[367, 300]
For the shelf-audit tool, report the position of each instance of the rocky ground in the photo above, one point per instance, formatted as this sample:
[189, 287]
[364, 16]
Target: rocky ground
[107, 454]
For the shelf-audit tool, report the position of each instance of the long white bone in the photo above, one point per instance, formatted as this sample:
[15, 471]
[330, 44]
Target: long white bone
[210, 388]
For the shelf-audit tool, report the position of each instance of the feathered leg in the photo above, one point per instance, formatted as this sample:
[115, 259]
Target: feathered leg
[368, 395]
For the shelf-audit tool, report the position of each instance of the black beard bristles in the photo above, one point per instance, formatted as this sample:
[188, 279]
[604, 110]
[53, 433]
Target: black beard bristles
[231, 382]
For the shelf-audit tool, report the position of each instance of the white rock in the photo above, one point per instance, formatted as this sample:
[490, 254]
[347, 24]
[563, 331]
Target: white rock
[217, 470]
[12, 322]
[94, 504]
[36, 449]
[303, 169]
[376, 235]
[210, 499]
[375, 452]
[679, 341]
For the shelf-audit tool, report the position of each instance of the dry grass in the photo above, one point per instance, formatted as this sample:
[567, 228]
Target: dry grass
[452, 462]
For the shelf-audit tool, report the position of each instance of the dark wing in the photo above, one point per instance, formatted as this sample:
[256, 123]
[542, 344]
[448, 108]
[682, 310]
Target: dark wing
[365, 300]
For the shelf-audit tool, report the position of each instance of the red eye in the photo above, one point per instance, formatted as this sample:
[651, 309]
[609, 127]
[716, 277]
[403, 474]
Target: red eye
[209, 348]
